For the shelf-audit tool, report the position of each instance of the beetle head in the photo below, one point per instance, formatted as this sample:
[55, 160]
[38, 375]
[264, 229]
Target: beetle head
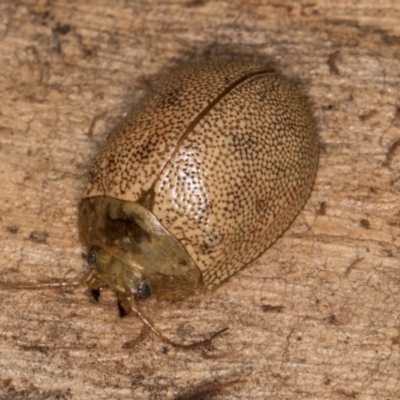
[132, 253]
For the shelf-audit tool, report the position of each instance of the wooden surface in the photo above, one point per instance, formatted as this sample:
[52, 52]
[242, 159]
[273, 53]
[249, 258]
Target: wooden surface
[316, 317]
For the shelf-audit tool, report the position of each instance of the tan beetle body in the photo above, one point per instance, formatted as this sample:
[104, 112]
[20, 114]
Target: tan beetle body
[199, 180]
[219, 159]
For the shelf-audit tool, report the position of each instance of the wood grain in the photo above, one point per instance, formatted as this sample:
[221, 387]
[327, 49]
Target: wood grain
[316, 317]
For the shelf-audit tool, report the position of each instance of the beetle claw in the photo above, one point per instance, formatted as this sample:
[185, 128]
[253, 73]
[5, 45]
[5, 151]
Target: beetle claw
[122, 312]
[95, 294]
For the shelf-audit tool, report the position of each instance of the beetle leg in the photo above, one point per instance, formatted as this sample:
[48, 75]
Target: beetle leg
[151, 327]
[95, 285]
[124, 304]
[194, 345]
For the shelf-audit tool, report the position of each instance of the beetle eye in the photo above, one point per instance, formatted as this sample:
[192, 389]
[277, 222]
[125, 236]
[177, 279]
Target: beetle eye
[144, 291]
[92, 258]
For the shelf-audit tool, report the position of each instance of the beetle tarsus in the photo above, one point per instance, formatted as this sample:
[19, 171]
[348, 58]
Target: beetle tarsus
[145, 331]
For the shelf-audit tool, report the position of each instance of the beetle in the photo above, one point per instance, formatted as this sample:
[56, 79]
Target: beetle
[197, 181]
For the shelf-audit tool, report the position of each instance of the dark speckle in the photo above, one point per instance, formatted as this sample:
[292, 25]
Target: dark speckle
[332, 319]
[38, 237]
[62, 29]
[396, 339]
[349, 394]
[271, 308]
[208, 390]
[195, 3]
[333, 69]
[368, 115]
[12, 229]
[392, 150]
[322, 208]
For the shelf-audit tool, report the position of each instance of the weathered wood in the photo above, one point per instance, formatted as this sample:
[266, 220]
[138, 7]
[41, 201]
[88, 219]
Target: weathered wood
[316, 317]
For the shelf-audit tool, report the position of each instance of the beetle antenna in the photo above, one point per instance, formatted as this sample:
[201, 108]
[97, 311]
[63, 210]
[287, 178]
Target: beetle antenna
[200, 343]
[45, 285]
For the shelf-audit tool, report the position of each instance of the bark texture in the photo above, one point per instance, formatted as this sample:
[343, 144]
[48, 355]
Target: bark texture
[316, 317]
